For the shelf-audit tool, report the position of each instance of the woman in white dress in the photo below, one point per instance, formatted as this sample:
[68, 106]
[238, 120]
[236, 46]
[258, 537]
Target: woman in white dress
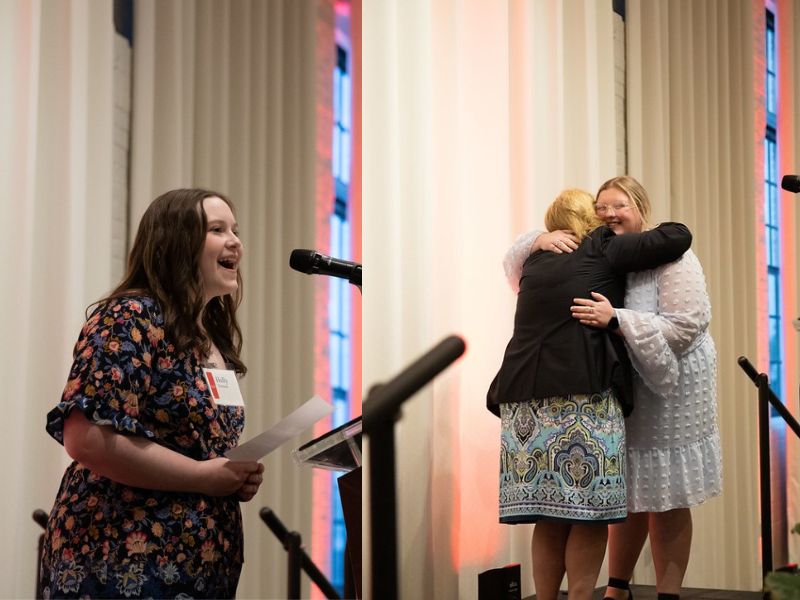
[673, 448]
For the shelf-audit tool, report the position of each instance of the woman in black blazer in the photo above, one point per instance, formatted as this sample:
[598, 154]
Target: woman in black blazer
[562, 391]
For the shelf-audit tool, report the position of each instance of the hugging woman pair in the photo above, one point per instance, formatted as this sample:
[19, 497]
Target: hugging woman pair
[570, 462]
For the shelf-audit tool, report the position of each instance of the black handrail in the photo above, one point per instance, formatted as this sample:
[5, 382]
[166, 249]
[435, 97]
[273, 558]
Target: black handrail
[766, 477]
[766, 397]
[381, 409]
[748, 368]
[298, 559]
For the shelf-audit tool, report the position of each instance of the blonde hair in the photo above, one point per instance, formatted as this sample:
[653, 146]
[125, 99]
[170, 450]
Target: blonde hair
[634, 191]
[573, 209]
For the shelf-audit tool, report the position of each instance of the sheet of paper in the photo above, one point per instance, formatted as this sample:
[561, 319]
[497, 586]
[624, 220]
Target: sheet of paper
[298, 421]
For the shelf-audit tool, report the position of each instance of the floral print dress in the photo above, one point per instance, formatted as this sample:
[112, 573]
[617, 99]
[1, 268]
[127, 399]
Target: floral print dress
[108, 540]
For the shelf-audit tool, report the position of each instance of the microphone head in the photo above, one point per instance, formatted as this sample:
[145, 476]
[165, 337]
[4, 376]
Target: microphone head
[791, 183]
[303, 260]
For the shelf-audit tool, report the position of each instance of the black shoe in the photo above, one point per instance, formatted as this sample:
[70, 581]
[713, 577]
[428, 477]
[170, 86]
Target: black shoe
[619, 584]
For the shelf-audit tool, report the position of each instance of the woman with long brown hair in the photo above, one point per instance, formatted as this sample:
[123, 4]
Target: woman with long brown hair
[150, 507]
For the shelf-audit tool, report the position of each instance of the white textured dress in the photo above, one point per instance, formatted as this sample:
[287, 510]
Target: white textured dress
[673, 447]
[673, 456]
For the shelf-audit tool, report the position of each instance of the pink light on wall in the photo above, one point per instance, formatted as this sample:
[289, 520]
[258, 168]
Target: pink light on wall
[355, 222]
[759, 127]
[355, 195]
[320, 483]
[476, 536]
[788, 161]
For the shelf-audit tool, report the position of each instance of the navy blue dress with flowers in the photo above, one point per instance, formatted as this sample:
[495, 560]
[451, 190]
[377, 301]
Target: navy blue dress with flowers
[108, 540]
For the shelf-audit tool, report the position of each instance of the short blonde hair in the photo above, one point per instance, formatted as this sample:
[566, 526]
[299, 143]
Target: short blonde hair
[634, 191]
[573, 210]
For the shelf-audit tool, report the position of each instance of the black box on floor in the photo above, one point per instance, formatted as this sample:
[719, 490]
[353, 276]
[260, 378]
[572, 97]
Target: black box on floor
[500, 584]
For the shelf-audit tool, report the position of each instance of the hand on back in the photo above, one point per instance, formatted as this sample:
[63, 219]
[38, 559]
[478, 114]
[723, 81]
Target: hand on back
[595, 313]
[558, 242]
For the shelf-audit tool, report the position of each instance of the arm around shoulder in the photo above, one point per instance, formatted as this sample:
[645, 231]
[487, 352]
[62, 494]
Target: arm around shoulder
[516, 256]
[648, 249]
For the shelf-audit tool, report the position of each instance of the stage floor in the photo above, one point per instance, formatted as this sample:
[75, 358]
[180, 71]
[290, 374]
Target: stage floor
[648, 592]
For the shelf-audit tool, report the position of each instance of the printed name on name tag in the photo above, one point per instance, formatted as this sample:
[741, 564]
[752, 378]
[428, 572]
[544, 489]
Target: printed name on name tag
[224, 387]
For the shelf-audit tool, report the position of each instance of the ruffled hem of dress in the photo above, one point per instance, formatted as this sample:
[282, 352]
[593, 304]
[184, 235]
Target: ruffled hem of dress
[671, 471]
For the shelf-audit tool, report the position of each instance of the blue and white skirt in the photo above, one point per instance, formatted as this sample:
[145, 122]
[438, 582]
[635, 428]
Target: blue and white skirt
[563, 458]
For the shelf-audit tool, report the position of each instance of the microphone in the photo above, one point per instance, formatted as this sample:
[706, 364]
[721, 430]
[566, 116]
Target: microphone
[314, 263]
[791, 183]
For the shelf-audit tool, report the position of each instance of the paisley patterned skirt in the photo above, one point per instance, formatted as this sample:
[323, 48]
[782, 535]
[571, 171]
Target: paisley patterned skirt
[563, 458]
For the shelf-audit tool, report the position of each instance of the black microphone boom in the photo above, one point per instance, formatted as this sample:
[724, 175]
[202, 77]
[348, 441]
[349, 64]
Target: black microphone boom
[314, 263]
[791, 183]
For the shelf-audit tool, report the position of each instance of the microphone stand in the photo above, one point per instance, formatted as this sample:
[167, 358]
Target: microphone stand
[297, 558]
[41, 518]
[382, 409]
[766, 397]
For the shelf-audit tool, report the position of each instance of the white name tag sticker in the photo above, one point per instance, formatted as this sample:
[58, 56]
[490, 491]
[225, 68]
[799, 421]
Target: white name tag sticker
[224, 387]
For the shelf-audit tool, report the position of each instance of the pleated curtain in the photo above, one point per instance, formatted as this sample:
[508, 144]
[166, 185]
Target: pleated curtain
[58, 254]
[693, 141]
[475, 115]
[474, 119]
[789, 80]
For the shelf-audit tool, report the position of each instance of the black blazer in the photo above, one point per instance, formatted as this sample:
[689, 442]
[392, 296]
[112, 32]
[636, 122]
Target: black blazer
[552, 354]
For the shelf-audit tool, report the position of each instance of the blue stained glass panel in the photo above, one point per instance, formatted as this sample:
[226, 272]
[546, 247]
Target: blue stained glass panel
[339, 324]
[772, 216]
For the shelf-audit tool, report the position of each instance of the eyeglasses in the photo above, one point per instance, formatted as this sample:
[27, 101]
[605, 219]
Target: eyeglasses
[604, 209]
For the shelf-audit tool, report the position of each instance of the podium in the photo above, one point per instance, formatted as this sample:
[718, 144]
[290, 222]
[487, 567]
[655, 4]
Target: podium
[340, 450]
[337, 450]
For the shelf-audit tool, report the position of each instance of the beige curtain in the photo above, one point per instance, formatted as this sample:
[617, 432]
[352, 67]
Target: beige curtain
[55, 192]
[693, 140]
[225, 97]
[475, 115]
